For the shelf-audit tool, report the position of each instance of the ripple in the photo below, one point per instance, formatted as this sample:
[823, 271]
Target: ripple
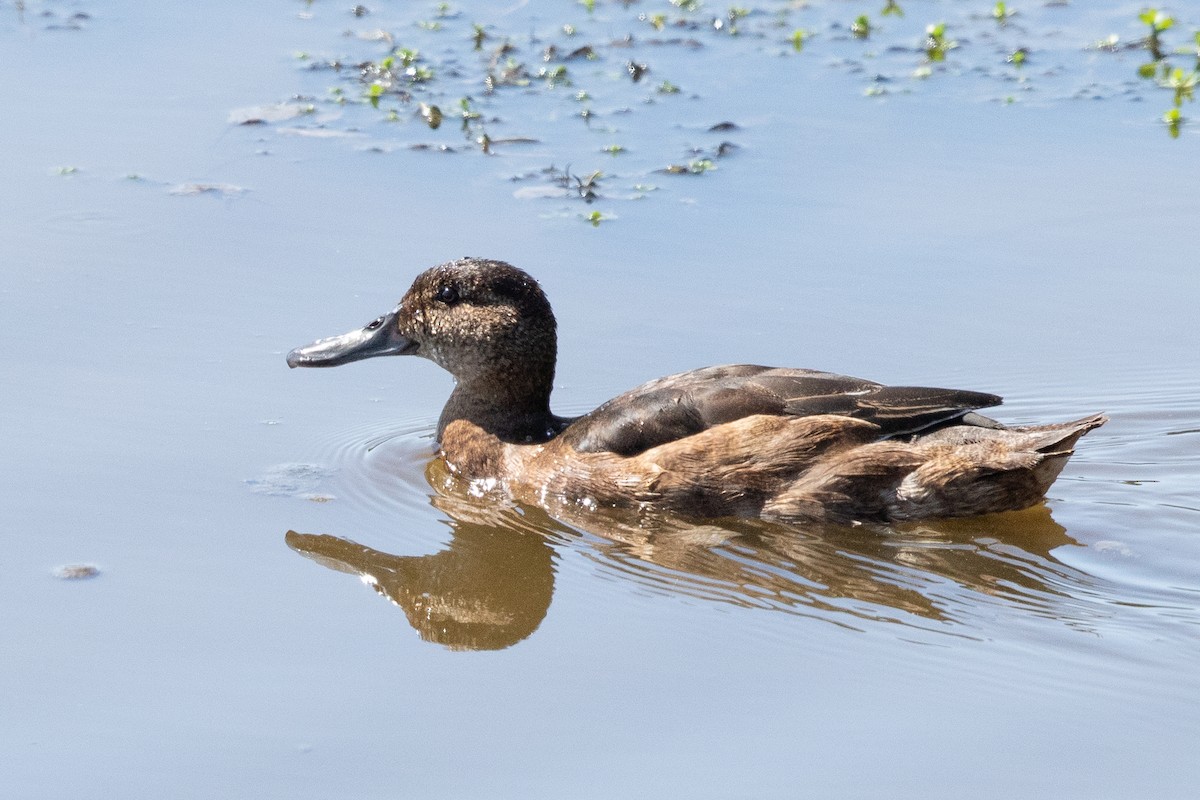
[974, 578]
[381, 466]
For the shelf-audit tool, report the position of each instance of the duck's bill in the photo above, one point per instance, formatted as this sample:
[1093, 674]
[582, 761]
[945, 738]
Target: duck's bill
[380, 338]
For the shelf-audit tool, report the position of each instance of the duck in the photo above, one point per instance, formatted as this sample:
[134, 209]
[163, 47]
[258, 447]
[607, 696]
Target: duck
[780, 444]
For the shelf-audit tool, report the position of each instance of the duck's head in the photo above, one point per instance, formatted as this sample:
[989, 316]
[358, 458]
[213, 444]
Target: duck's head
[486, 322]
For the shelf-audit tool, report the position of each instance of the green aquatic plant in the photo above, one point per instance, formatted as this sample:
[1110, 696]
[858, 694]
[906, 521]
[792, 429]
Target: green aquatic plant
[861, 27]
[1018, 57]
[798, 37]
[613, 149]
[1181, 83]
[1159, 23]
[555, 76]
[595, 218]
[697, 166]
[892, 9]
[1002, 13]
[666, 87]
[1174, 119]
[374, 92]
[936, 43]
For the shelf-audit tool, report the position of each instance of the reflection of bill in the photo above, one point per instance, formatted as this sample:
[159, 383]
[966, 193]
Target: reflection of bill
[491, 587]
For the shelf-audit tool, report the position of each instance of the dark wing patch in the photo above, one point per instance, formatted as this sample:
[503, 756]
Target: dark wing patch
[899, 410]
[672, 408]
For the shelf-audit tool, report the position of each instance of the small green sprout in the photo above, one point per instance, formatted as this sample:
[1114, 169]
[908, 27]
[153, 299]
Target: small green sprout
[555, 76]
[1182, 83]
[892, 9]
[936, 43]
[1017, 57]
[590, 5]
[666, 87]
[374, 92]
[861, 27]
[686, 5]
[478, 37]
[1173, 119]
[659, 21]
[596, 218]
[798, 37]
[1001, 12]
[1159, 23]
[613, 149]
[419, 73]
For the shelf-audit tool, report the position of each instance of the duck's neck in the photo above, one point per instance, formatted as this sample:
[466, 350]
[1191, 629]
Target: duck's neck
[514, 409]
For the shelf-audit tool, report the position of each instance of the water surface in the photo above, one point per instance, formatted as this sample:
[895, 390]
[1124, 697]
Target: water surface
[234, 508]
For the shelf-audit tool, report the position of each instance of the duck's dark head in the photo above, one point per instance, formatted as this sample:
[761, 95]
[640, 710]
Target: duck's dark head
[486, 322]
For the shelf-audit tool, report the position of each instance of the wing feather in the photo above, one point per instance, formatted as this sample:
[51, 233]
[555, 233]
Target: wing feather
[682, 405]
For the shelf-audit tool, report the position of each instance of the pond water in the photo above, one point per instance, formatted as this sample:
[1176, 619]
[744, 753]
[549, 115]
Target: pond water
[189, 524]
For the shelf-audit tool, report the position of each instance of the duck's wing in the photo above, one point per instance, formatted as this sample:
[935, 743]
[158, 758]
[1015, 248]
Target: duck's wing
[671, 408]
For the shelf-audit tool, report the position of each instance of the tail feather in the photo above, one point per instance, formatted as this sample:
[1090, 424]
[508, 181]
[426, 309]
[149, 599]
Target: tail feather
[1061, 436]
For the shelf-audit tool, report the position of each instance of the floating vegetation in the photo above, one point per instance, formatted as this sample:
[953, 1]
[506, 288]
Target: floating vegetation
[505, 77]
[861, 27]
[1180, 82]
[936, 43]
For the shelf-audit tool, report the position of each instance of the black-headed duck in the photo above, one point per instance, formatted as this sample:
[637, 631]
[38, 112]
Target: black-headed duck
[741, 440]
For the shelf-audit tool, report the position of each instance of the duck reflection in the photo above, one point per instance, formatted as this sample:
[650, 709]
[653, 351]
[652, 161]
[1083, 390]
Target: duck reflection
[491, 587]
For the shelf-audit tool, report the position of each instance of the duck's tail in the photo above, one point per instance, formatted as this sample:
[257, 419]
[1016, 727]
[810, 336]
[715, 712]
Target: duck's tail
[1056, 443]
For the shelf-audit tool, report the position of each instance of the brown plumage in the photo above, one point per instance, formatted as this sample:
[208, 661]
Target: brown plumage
[745, 440]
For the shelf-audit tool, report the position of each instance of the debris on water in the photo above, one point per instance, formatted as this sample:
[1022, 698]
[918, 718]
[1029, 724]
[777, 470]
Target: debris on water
[76, 572]
[218, 189]
[293, 480]
[274, 112]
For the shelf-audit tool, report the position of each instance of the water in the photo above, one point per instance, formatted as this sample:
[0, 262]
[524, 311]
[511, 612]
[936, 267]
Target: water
[1037, 249]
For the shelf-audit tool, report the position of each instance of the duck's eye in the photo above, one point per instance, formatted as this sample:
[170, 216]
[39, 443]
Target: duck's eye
[375, 324]
[448, 295]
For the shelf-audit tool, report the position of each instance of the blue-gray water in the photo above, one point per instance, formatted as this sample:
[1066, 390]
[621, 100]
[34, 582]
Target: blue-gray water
[1040, 249]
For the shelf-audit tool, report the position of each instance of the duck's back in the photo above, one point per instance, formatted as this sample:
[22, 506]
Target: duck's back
[796, 444]
[678, 406]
